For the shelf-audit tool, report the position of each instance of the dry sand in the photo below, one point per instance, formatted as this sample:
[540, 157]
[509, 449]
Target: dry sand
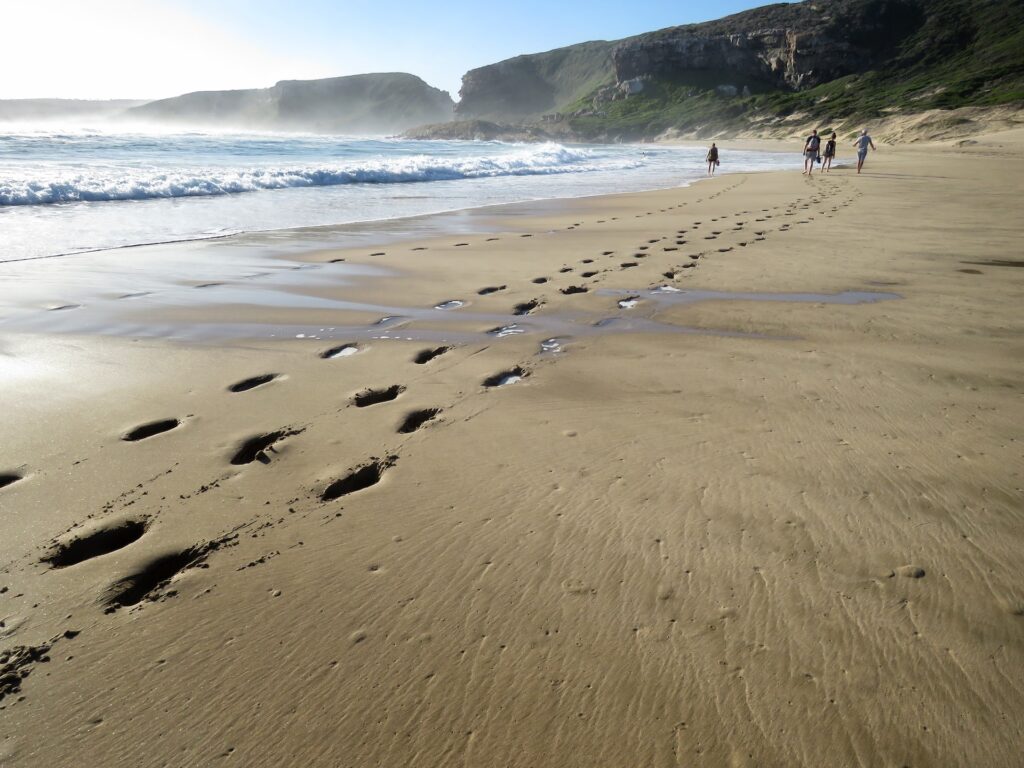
[658, 548]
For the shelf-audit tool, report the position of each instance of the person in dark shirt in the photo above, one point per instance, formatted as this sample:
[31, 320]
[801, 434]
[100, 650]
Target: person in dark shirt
[830, 153]
[712, 159]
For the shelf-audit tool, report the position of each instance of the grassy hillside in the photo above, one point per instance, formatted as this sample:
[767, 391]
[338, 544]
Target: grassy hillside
[382, 102]
[531, 85]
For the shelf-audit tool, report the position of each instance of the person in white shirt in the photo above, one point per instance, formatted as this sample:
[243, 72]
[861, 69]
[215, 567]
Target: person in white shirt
[811, 147]
[862, 143]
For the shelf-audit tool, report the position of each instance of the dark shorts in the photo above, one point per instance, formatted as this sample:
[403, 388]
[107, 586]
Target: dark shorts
[861, 154]
[811, 154]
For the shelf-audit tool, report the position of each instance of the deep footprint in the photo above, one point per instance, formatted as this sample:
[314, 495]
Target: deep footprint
[375, 396]
[358, 479]
[574, 289]
[95, 543]
[145, 583]
[505, 378]
[425, 356]
[526, 307]
[417, 419]
[255, 448]
[8, 478]
[344, 350]
[256, 381]
[491, 289]
[149, 430]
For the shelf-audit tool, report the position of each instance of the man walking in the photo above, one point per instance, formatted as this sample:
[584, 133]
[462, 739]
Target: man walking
[811, 147]
[862, 143]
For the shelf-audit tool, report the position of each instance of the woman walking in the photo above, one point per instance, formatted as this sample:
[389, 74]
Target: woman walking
[830, 153]
[712, 159]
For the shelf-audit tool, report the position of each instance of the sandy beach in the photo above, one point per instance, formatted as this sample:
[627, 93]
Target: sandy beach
[766, 512]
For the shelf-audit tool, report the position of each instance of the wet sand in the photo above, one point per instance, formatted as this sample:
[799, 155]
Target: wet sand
[768, 513]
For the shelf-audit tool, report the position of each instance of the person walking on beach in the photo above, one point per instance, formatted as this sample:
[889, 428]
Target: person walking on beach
[712, 159]
[862, 143]
[811, 147]
[830, 153]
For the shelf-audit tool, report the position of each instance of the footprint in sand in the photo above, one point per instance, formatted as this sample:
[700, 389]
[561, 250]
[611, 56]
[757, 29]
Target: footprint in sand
[563, 270]
[416, 419]
[574, 289]
[426, 355]
[359, 479]
[95, 541]
[375, 396]
[150, 429]
[9, 478]
[251, 383]
[539, 280]
[526, 307]
[255, 448]
[343, 350]
[491, 289]
[505, 378]
[588, 274]
[450, 304]
[628, 264]
[148, 581]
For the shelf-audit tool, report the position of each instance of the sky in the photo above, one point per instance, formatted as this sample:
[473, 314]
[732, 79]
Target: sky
[146, 49]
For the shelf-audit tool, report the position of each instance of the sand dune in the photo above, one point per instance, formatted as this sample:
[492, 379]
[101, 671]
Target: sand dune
[761, 507]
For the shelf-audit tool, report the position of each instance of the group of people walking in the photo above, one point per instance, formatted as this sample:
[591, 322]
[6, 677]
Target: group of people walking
[812, 152]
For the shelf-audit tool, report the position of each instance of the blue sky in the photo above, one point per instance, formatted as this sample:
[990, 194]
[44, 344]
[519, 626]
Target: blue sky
[157, 48]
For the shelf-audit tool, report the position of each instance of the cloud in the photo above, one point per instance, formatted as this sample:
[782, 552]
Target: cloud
[129, 49]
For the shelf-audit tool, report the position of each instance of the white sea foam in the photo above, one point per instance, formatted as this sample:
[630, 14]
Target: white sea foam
[58, 188]
[102, 183]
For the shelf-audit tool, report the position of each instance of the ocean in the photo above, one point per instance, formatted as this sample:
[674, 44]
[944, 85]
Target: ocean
[65, 192]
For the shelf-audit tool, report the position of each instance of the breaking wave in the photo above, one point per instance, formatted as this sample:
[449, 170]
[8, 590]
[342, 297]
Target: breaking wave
[99, 184]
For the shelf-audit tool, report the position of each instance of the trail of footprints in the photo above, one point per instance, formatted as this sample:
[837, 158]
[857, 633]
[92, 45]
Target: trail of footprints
[153, 579]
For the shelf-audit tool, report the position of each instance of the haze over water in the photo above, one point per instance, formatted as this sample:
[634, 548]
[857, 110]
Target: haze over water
[67, 191]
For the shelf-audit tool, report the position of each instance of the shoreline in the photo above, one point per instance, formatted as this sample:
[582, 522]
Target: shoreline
[700, 528]
[443, 199]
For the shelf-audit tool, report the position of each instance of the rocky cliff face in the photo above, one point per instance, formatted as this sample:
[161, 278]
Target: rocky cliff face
[374, 103]
[782, 46]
